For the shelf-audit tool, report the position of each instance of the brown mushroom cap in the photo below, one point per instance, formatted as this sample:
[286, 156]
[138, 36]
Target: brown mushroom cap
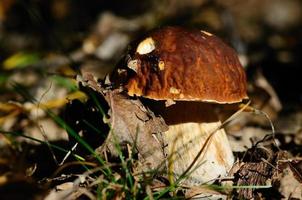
[175, 63]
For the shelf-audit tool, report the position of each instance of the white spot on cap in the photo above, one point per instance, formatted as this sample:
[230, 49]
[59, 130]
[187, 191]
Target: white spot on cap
[146, 46]
[174, 90]
[133, 64]
[161, 65]
[207, 33]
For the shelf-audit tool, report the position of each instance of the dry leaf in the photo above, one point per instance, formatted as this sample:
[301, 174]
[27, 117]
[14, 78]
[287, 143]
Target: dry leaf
[204, 192]
[290, 187]
[131, 123]
[256, 170]
[296, 168]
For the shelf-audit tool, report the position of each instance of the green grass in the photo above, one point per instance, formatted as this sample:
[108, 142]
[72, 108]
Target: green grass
[128, 186]
[67, 83]
[19, 134]
[117, 178]
[20, 60]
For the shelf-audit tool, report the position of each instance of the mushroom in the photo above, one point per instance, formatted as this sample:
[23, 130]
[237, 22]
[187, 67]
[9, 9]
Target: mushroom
[182, 74]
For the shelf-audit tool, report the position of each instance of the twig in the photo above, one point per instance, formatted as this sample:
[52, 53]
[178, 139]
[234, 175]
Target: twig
[68, 154]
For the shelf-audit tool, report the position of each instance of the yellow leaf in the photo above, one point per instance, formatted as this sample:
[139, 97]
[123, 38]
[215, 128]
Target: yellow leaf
[20, 60]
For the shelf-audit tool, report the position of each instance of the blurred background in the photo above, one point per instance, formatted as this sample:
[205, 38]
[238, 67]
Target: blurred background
[92, 35]
[44, 44]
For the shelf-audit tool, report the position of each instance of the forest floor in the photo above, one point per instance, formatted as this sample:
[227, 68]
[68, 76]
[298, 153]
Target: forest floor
[52, 119]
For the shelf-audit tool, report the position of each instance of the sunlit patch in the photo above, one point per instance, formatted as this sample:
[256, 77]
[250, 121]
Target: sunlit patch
[146, 46]
[133, 64]
[161, 65]
[207, 33]
[174, 90]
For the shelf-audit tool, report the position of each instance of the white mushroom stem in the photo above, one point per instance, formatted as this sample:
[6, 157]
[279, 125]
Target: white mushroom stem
[194, 127]
[185, 141]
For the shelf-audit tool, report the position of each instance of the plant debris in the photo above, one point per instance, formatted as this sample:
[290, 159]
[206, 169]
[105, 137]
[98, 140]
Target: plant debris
[131, 123]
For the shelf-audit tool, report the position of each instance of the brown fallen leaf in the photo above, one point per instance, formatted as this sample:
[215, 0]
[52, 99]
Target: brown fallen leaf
[290, 187]
[256, 170]
[295, 166]
[131, 123]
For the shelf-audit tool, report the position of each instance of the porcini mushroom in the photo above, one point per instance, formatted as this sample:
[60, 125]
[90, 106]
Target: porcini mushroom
[194, 70]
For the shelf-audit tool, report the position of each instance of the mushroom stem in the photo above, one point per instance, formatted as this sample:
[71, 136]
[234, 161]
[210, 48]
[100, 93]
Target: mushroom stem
[196, 144]
[184, 144]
